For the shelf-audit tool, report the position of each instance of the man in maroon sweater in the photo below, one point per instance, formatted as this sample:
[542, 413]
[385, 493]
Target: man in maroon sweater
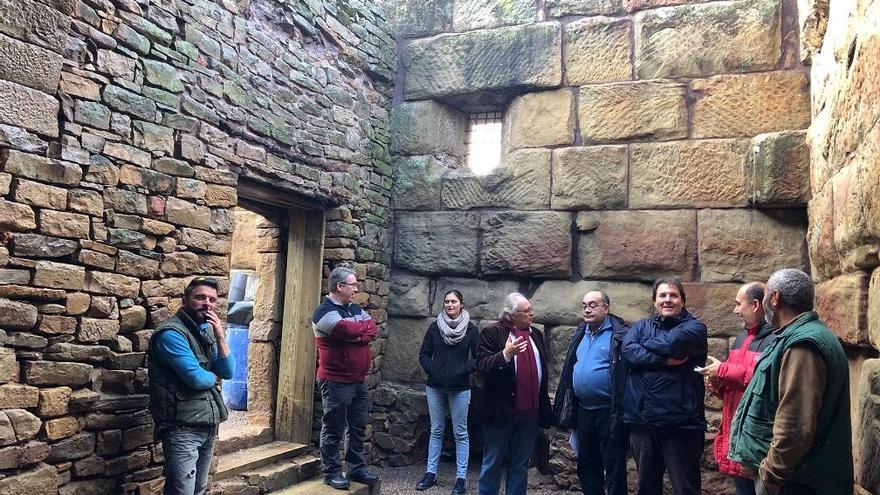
[343, 332]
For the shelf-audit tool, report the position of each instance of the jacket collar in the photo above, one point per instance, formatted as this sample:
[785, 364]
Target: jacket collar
[764, 330]
[683, 316]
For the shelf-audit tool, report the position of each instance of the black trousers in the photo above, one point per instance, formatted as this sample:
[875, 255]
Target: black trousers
[601, 459]
[673, 450]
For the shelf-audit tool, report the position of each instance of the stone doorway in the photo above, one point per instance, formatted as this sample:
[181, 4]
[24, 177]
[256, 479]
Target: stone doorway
[275, 277]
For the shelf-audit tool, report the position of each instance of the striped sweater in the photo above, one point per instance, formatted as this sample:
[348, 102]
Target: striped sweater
[342, 335]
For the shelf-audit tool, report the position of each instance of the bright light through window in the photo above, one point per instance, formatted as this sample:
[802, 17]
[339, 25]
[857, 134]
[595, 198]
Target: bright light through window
[484, 142]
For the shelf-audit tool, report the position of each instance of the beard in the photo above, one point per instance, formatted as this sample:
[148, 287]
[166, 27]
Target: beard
[196, 315]
[768, 315]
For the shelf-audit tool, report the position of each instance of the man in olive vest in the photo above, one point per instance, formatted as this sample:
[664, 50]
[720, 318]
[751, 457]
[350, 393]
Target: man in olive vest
[791, 430]
[188, 357]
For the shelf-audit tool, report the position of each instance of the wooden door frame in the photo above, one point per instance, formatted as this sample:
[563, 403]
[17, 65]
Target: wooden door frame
[295, 393]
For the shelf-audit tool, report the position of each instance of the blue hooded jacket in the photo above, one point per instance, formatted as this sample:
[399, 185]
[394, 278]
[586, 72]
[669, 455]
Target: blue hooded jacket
[657, 394]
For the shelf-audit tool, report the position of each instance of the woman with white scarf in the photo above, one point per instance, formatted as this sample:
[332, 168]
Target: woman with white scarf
[447, 356]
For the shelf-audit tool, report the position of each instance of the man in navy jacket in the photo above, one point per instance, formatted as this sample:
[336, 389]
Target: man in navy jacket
[663, 401]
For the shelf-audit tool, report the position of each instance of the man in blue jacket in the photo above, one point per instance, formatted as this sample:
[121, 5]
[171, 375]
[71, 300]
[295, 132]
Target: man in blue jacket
[663, 401]
[592, 382]
[188, 358]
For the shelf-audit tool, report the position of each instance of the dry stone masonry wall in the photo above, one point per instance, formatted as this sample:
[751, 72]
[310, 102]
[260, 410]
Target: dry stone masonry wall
[640, 138]
[126, 128]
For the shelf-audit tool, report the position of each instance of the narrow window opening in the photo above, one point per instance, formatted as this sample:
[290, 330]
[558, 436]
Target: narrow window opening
[483, 141]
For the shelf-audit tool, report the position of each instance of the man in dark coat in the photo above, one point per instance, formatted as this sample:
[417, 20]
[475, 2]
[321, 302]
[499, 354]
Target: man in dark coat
[512, 402]
[590, 397]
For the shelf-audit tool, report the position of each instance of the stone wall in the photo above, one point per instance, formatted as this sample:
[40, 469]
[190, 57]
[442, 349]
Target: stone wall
[842, 41]
[125, 129]
[640, 138]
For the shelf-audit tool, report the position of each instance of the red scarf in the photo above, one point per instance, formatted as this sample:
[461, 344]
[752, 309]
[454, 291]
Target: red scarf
[527, 386]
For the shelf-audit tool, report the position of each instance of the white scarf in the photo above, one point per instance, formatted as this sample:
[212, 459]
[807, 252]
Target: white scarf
[453, 331]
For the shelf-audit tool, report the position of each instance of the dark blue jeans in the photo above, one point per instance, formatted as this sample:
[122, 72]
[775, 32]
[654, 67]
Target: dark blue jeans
[744, 486]
[344, 404]
[514, 443]
[601, 459]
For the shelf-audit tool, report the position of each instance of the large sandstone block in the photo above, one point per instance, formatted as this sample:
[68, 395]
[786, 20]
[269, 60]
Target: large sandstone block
[692, 173]
[14, 395]
[643, 110]
[111, 284]
[41, 168]
[40, 480]
[867, 429]
[853, 231]
[262, 373]
[54, 373]
[16, 217]
[521, 181]
[415, 18]
[527, 56]
[410, 295]
[824, 258]
[34, 22]
[97, 330]
[468, 15]
[559, 8]
[747, 245]
[483, 299]
[874, 309]
[16, 315]
[38, 194]
[780, 166]
[424, 242]
[181, 212]
[539, 119]
[596, 49]
[842, 303]
[706, 39]
[29, 65]
[64, 224]
[558, 302]
[526, 243]
[749, 104]
[59, 275]
[28, 108]
[53, 402]
[637, 245]
[636, 5]
[417, 183]
[589, 177]
[72, 448]
[712, 304]
[401, 359]
[427, 127]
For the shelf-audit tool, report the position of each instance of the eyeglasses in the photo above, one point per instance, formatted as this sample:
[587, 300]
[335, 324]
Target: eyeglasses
[353, 284]
[529, 311]
[593, 305]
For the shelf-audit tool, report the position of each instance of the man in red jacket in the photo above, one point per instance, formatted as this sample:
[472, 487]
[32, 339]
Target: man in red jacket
[343, 332]
[728, 380]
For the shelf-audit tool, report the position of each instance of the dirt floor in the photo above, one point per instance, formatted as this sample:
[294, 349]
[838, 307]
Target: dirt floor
[402, 480]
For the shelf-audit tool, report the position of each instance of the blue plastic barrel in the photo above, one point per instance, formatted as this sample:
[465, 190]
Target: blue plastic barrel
[235, 390]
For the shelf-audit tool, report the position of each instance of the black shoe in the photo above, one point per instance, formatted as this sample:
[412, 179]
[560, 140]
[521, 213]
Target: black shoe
[337, 480]
[364, 476]
[427, 481]
[460, 487]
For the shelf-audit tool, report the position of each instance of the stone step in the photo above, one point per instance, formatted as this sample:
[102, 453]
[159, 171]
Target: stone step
[251, 459]
[246, 437]
[317, 487]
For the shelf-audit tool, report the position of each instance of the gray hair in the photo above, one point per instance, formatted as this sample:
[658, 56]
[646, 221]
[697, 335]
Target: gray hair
[337, 276]
[510, 303]
[796, 289]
